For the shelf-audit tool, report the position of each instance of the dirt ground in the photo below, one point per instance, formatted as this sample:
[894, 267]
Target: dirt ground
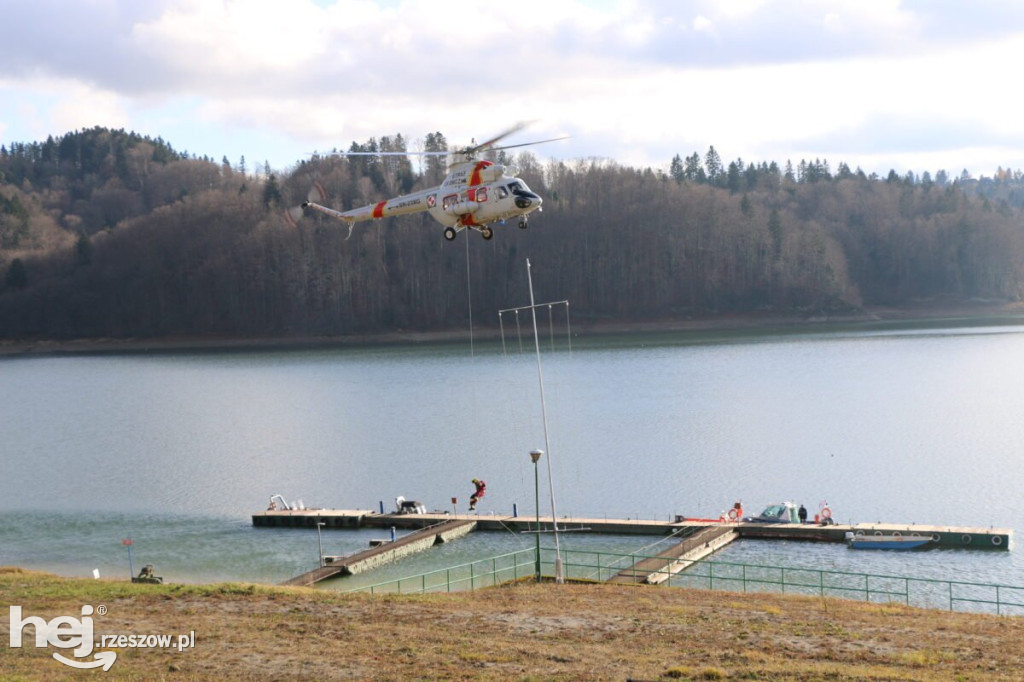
[520, 632]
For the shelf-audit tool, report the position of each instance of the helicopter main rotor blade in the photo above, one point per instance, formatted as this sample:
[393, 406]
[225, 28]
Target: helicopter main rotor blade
[501, 136]
[389, 154]
[465, 151]
[527, 144]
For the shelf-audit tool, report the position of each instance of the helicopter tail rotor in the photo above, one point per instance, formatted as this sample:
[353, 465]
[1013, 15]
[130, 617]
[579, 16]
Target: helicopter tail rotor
[293, 215]
[316, 193]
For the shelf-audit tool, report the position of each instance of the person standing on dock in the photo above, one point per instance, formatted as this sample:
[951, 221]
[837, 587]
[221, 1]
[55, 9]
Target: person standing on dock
[802, 513]
[481, 489]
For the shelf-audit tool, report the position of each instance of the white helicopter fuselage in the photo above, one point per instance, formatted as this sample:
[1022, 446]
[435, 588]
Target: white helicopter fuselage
[473, 195]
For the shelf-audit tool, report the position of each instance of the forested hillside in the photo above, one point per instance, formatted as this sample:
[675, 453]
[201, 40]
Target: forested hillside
[109, 234]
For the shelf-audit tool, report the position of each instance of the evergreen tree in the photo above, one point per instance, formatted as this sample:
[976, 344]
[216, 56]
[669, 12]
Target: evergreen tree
[436, 165]
[83, 249]
[733, 177]
[694, 171]
[17, 275]
[676, 169]
[750, 176]
[271, 191]
[788, 174]
[713, 166]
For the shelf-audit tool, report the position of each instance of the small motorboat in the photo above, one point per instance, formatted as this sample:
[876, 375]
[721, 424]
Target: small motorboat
[784, 512]
[898, 542]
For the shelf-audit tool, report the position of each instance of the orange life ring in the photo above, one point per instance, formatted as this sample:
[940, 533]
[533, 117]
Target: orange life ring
[733, 514]
[826, 513]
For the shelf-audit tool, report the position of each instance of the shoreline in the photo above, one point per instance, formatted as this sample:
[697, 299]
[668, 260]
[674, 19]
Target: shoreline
[961, 313]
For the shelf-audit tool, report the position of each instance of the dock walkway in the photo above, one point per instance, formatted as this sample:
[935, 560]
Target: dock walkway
[386, 552]
[678, 557]
[310, 578]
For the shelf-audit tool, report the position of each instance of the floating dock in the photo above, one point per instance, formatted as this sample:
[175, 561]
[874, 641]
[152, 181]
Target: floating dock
[942, 536]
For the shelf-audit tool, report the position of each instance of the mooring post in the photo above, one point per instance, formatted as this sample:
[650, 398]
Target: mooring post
[320, 540]
[515, 510]
[381, 502]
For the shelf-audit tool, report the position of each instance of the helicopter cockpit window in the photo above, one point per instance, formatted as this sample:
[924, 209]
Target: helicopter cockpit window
[515, 187]
[502, 192]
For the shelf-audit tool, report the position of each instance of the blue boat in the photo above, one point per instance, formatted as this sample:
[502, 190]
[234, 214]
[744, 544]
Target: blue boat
[896, 542]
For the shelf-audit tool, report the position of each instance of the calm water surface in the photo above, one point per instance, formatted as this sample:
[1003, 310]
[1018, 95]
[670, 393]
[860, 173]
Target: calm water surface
[177, 450]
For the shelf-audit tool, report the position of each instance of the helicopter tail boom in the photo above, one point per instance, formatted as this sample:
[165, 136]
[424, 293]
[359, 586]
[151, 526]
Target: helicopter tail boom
[410, 203]
[328, 211]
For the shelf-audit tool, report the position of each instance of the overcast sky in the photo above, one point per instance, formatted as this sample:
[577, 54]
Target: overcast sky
[880, 84]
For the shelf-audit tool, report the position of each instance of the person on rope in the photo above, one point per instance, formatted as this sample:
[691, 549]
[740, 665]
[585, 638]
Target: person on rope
[481, 489]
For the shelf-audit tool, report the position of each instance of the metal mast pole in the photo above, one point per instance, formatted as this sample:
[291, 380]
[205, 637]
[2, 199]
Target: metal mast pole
[469, 297]
[544, 415]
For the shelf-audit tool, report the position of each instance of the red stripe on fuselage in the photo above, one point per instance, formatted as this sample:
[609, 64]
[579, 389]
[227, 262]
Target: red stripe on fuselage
[474, 178]
[378, 210]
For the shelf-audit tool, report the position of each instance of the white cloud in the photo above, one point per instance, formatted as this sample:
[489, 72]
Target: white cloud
[50, 106]
[702, 24]
[637, 81]
[80, 106]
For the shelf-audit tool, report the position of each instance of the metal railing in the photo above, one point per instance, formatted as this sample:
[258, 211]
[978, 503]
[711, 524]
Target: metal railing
[739, 577]
[476, 574]
[582, 565]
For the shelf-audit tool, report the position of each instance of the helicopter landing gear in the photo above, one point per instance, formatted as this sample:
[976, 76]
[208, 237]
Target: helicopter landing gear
[449, 233]
[486, 233]
[523, 224]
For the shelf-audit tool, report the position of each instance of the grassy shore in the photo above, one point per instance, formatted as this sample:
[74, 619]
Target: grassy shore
[520, 632]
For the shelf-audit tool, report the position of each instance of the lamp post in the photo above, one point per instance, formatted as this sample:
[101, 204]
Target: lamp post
[535, 456]
[320, 541]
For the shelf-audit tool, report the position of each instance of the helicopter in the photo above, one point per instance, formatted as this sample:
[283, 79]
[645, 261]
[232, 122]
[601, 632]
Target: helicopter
[474, 195]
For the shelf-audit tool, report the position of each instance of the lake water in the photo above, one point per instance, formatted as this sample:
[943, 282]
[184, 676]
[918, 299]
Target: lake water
[177, 450]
